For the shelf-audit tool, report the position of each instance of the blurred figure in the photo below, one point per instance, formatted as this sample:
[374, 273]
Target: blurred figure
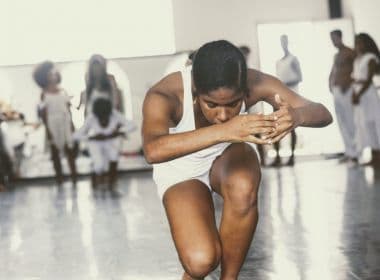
[365, 98]
[246, 51]
[288, 70]
[190, 58]
[100, 84]
[340, 86]
[55, 113]
[102, 129]
[15, 122]
[5, 159]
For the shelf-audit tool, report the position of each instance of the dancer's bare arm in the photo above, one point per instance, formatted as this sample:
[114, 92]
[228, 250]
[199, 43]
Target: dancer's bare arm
[160, 112]
[292, 110]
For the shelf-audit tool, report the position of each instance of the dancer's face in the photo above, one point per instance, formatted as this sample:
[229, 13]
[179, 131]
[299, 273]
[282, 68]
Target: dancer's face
[336, 40]
[54, 77]
[359, 46]
[104, 121]
[220, 105]
[97, 70]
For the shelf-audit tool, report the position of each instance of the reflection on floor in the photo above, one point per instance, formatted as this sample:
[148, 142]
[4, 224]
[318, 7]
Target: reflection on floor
[40, 165]
[319, 220]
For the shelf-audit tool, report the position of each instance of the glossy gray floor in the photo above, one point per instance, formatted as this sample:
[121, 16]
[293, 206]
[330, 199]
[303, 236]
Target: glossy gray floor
[319, 220]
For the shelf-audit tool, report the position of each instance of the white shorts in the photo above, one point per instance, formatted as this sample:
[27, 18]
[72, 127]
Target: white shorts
[195, 166]
[164, 185]
[102, 153]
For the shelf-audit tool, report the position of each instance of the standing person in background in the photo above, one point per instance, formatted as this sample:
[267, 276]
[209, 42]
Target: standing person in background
[100, 84]
[365, 98]
[260, 148]
[55, 113]
[340, 86]
[288, 70]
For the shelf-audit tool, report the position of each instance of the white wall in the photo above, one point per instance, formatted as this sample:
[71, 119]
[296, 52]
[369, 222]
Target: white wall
[92, 26]
[199, 21]
[365, 14]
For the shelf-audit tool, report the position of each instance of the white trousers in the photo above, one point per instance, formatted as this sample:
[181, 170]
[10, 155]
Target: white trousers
[102, 153]
[345, 116]
[367, 120]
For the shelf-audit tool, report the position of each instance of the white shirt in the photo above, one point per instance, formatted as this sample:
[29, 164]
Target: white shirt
[92, 127]
[285, 69]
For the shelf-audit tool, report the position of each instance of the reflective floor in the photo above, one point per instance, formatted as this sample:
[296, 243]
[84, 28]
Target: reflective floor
[40, 165]
[319, 220]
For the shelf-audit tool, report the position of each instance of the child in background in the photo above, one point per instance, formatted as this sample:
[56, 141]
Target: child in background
[55, 113]
[102, 129]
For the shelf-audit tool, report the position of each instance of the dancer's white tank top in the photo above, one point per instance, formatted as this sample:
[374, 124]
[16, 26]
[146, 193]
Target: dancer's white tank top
[192, 165]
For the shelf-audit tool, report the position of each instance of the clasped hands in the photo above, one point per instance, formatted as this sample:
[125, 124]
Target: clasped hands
[263, 129]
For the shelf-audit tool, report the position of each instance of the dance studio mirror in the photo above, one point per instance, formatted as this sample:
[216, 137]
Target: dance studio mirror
[133, 59]
[310, 42]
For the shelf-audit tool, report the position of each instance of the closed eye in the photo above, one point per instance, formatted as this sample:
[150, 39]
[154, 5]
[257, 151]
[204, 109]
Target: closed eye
[234, 104]
[211, 105]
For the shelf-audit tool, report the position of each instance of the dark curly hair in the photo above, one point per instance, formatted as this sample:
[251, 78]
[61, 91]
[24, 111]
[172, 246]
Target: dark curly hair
[102, 108]
[41, 72]
[368, 43]
[219, 64]
[337, 32]
[105, 83]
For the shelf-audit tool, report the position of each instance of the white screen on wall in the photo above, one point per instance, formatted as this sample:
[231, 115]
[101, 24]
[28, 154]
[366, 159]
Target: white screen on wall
[35, 30]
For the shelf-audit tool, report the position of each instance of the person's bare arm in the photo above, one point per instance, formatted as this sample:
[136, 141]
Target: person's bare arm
[332, 74]
[44, 117]
[81, 100]
[292, 110]
[159, 114]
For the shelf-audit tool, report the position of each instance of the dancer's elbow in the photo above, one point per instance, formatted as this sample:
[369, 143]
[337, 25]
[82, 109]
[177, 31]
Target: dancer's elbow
[152, 153]
[326, 117]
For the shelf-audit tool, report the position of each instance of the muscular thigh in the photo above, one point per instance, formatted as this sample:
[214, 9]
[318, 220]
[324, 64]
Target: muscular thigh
[238, 160]
[190, 211]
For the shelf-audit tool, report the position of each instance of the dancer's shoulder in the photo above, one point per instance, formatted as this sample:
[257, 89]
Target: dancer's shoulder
[257, 78]
[259, 85]
[170, 87]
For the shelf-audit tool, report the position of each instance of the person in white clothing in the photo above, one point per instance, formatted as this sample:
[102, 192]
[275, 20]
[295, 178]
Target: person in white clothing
[288, 70]
[55, 113]
[340, 86]
[102, 129]
[196, 132]
[365, 97]
[100, 84]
